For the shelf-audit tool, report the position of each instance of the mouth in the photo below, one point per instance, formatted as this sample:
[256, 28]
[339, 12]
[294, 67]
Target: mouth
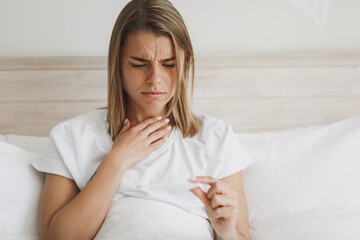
[153, 94]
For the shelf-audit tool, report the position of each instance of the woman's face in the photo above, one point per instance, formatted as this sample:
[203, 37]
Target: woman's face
[148, 72]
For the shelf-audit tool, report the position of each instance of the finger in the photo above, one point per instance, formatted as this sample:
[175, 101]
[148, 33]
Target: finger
[126, 126]
[202, 179]
[146, 122]
[198, 192]
[225, 212]
[222, 201]
[158, 134]
[152, 127]
[156, 144]
[219, 188]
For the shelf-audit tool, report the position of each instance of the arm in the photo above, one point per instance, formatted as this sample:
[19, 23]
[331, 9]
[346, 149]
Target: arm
[242, 224]
[67, 213]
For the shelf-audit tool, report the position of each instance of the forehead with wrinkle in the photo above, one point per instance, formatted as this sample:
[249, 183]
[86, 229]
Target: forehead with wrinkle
[149, 46]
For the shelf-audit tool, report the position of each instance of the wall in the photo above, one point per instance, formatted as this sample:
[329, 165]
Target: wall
[83, 27]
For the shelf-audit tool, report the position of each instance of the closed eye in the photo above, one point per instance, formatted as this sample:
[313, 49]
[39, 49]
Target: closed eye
[169, 65]
[144, 65]
[137, 65]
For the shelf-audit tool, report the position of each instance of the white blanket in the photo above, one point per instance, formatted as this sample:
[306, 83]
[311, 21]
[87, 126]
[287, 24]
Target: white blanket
[138, 218]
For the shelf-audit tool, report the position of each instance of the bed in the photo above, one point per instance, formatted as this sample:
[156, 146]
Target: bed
[298, 115]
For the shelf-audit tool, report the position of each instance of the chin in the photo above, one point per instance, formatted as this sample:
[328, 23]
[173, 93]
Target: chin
[155, 106]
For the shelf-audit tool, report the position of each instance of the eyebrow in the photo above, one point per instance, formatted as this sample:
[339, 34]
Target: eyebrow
[145, 60]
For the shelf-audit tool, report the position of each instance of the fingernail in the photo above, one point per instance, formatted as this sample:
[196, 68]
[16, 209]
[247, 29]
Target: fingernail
[126, 120]
[166, 138]
[158, 118]
[167, 120]
[168, 128]
[193, 178]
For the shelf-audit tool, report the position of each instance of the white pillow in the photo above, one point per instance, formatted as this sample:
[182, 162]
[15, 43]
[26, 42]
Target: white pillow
[312, 169]
[30, 143]
[20, 189]
[19, 237]
[290, 132]
[319, 225]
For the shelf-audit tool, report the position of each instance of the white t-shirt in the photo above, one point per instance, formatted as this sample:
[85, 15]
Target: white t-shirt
[78, 145]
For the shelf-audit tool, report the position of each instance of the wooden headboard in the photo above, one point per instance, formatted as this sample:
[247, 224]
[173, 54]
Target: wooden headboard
[252, 92]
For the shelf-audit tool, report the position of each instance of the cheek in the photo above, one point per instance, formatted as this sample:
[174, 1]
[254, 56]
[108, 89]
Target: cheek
[125, 79]
[171, 85]
[131, 80]
[172, 80]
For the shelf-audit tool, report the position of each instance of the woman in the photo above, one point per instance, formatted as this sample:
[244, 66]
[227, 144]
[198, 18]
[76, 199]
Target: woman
[146, 143]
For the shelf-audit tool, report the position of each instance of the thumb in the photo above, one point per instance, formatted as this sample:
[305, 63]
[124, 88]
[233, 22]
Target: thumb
[207, 202]
[126, 126]
[202, 195]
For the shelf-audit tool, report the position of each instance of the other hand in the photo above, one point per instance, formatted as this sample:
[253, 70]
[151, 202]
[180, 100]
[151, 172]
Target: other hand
[221, 205]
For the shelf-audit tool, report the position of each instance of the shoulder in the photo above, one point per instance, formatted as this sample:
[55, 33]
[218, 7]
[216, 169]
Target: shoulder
[219, 139]
[85, 122]
[212, 126]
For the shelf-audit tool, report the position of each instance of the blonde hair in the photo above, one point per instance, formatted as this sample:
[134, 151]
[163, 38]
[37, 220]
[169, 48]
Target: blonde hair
[161, 18]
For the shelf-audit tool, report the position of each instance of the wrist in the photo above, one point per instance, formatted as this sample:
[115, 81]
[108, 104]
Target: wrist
[234, 235]
[117, 164]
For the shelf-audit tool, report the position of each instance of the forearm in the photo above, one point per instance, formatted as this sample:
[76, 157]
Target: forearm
[83, 216]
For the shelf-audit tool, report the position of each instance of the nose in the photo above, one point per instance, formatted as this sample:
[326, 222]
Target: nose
[154, 77]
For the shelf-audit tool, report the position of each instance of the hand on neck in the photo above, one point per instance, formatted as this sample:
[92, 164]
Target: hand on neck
[136, 117]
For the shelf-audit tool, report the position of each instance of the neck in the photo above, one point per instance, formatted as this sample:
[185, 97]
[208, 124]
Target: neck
[136, 116]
